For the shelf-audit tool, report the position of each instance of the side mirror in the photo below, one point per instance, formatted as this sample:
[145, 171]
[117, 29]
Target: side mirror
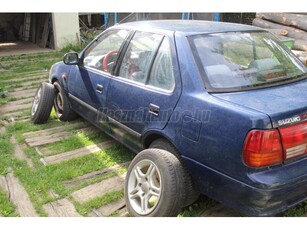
[71, 58]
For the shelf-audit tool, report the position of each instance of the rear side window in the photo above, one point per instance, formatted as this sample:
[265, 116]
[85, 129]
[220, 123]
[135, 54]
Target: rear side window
[148, 61]
[162, 75]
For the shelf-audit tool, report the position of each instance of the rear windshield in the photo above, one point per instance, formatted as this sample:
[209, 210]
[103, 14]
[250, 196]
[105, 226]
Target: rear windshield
[235, 61]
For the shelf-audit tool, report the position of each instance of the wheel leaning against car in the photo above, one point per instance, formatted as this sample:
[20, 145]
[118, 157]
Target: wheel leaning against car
[42, 103]
[154, 185]
[62, 105]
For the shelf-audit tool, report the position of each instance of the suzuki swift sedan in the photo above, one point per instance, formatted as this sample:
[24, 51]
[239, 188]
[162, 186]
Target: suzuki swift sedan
[208, 107]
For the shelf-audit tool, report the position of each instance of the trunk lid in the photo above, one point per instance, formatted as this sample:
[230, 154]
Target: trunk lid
[285, 104]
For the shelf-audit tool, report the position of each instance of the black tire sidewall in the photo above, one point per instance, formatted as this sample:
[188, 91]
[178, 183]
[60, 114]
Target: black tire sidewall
[45, 104]
[171, 182]
[190, 195]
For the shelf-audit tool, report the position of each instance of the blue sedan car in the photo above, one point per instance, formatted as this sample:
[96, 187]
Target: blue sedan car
[209, 107]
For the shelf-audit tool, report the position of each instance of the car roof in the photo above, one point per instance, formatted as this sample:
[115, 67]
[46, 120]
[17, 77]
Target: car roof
[189, 26]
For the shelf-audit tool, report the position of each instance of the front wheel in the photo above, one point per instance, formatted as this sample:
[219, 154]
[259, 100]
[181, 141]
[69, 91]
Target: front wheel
[154, 185]
[62, 105]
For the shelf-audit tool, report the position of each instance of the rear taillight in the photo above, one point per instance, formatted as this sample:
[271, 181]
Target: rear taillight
[294, 139]
[262, 148]
[269, 147]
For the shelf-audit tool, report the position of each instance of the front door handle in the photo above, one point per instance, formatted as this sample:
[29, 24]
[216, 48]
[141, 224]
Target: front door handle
[99, 89]
[154, 109]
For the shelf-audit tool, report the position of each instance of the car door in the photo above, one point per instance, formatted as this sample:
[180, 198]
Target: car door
[89, 82]
[146, 89]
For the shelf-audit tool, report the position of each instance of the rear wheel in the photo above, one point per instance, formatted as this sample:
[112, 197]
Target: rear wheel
[191, 193]
[62, 105]
[42, 103]
[154, 184]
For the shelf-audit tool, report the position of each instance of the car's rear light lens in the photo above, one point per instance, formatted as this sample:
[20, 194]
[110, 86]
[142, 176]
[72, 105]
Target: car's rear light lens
[262, 148]
[294, 139]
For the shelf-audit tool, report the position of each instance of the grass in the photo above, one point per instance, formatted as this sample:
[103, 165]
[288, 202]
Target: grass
[6, 207]
[41, 180]
[77, 140]
[196, 209]
[5, 153]
[85, 208]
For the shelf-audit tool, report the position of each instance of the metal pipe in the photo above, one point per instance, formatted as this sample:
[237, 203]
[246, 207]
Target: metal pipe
[217, 17]
[106, 20]
[190, 16]
[115, 18]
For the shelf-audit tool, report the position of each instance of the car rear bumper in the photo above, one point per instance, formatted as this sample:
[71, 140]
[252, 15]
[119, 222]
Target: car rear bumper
[266, 194]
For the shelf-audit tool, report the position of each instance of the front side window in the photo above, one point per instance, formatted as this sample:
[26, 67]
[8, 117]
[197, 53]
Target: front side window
[103, 53]
[237, 61]
[139, 55]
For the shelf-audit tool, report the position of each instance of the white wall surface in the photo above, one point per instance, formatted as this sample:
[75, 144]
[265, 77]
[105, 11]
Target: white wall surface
[66, 29]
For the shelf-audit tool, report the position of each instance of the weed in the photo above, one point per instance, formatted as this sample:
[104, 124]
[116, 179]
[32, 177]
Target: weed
[6, 207]
[84, 209]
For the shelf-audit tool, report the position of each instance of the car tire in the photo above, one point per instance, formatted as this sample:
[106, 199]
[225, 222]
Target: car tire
[42, 103]
[154, 185]
[62, 107]
[191, 194]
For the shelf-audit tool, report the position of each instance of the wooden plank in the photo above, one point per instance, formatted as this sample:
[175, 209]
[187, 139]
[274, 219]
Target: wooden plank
[15, 115]
[99, 189]
[292, 32]
[45, 34]
[77, 153]
[3, 184]
[61, 208]
[19, 197]
[2, 129]
[24, 94]
[19, 153]
[91, 175]
[17, 102]
[123, 212]
[63, 127]
[33, 28]
[23, 119]
[220, 210]
[43, 140]
[37, 28]
[15, 108]
[300, 45]
[20, 88]
[295, 20]
[26, 78]
[108, 209]
[302, 55]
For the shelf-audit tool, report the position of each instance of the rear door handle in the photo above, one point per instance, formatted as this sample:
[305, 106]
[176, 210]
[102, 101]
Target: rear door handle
[99, 89]
[154, 109]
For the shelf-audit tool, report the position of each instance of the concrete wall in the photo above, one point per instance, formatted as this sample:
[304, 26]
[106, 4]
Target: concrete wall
[65, 29]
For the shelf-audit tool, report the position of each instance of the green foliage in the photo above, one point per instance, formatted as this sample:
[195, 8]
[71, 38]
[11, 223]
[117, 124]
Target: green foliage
[6, 207]
[84, 209]
[71, 47]
[77, 140]
[197, 208]
[87, 36]
[299, 210]
[5, 153]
